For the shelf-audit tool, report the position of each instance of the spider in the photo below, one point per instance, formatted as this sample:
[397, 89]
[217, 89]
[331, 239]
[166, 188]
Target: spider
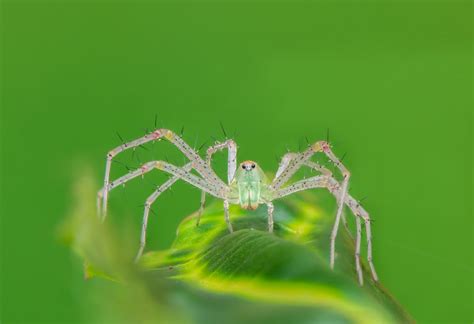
[247, 185]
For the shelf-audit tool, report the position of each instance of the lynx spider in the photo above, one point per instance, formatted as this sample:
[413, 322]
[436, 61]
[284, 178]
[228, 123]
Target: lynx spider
[246, 185]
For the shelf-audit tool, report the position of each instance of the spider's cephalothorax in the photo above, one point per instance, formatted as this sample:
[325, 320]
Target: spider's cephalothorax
[246, 185]
[251, 185]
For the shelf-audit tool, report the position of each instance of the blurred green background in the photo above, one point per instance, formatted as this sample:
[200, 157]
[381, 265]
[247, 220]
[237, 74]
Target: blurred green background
[391, 80]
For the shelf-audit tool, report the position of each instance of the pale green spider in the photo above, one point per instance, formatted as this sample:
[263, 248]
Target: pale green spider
[247, 185]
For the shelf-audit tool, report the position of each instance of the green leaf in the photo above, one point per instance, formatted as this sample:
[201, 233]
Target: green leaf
[209, 275]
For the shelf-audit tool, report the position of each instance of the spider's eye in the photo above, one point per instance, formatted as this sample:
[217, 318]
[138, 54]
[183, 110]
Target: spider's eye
[243, 166]
[253, 166]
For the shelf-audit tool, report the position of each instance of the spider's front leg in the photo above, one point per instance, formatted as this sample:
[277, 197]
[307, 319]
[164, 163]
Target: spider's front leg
[231, 167]
[335, 188]
[270, 209]
[227, 216]
[149, 201]
[198, 164]
[177, 173]
[292, 163]
[285, 161]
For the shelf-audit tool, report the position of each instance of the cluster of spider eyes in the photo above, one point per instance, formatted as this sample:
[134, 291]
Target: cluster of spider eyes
[244, 167]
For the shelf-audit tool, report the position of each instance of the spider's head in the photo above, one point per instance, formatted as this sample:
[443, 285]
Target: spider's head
[248, 165]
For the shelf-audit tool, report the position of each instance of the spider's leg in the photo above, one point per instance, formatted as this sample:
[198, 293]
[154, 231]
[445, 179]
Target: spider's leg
[346, 225]
[288, 157]
[231, 167]
[335, 228]
[325, 171]
[289, 164]
[181, 173]
[335, 188]
[231, 159]
[285, 161]
[310, 183]
[318, 167]
[292, 162]
[201, 207]
[201, 167]
[270, 216]
[102, 194]
[227, 216]
[369, 247]
[357, 251]
[178, 173]
[324, 146]
[149, 201]
[100, 197]
[209, 187]
[296, 161]
[313, 165]
[361, 212]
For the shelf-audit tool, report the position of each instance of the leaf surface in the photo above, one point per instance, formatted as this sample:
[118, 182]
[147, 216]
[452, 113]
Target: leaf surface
[209, 275]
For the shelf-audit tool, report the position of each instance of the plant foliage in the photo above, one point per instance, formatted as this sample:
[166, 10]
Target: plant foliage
[209, 275]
